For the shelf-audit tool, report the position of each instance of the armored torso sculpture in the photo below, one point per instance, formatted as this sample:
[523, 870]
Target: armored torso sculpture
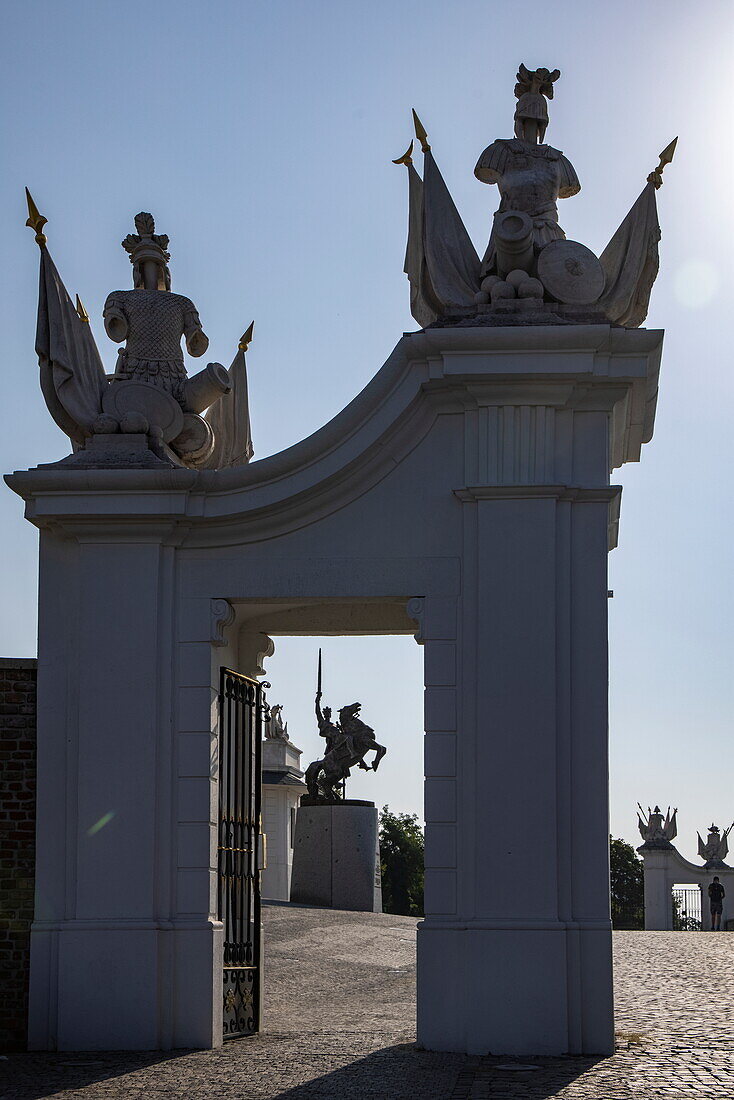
[655, 831]
[714, 850]
[530, 274]
[163, 416]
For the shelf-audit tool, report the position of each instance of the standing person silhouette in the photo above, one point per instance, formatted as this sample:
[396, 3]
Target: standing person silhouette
[717, 894]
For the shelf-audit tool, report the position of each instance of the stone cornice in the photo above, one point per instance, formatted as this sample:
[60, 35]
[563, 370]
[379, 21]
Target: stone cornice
[429, 373]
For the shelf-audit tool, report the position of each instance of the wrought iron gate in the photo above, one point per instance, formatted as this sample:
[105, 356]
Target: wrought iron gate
[687, 909]
[242, 709]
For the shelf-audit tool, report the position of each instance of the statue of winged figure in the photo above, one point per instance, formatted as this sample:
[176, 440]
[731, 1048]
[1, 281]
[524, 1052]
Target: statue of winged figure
[656, 831]
[714, 850]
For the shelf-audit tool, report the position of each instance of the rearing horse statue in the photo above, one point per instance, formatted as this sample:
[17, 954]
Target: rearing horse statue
[348, 742]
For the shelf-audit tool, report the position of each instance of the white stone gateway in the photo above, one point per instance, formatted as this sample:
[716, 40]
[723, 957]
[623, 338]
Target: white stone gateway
[464, 497]
[665, 867]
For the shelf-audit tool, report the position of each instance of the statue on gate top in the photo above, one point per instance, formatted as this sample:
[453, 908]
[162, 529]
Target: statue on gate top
[347, 743]
[655, 831]
[530, 273]
[716, 847]
[149, 412]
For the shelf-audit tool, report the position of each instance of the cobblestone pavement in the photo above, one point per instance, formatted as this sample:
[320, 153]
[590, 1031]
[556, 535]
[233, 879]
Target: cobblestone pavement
[340, 1026]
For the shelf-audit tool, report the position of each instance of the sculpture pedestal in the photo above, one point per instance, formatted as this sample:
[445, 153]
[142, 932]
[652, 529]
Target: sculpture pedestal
[336, 857]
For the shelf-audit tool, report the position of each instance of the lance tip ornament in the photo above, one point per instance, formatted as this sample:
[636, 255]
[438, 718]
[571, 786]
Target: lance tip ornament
[81, 311]
[36, 220]
[407, 158]
[246, 337]
[420, 132]
[656, 177]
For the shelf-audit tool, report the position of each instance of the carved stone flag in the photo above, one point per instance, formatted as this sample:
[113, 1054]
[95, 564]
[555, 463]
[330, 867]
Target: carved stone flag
[72, 375]
[230, 420]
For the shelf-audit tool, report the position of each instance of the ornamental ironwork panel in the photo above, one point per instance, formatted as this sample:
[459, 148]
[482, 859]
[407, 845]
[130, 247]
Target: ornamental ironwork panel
[687, 909]
[242, 712]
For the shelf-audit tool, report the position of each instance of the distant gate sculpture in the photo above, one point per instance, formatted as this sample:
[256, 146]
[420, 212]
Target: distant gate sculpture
[241, 721]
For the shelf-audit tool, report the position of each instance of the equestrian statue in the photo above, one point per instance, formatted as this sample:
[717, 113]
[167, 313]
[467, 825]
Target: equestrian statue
[347, 743]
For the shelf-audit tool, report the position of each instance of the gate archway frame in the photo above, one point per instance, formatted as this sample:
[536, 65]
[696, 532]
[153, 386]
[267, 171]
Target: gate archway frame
[663, 869]
[468, 487]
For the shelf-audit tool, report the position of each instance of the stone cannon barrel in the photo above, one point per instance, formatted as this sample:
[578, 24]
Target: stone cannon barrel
[206, 387]
[513, 238]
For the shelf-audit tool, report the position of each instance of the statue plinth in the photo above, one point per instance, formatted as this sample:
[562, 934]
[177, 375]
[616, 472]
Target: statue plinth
[336, 856]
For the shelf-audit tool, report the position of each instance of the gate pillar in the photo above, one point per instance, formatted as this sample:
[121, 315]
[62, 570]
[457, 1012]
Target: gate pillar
[514, 953]
[125, 945]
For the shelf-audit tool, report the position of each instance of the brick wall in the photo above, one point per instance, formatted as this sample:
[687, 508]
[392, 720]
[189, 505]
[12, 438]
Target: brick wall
[17, 842]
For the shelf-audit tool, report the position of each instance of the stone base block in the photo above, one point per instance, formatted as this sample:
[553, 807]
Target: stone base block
[98, 985]
[514, 990]
[336, 857]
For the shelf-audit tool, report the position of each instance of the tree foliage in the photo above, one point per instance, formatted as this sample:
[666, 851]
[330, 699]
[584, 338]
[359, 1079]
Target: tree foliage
[401, 863]
[627, 885]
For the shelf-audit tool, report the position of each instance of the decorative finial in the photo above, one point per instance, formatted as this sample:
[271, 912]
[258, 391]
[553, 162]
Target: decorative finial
[246, 338]
[420, 132]
[656, 177]
[36, 221]
[81, 311]
[406, 158]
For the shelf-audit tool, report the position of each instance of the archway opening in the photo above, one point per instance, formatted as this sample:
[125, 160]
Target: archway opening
[368, 655]
[686, 900]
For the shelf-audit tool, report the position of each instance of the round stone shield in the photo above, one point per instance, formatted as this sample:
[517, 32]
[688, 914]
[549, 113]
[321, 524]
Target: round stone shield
[195, 442]
[570, 272]
[156, 405]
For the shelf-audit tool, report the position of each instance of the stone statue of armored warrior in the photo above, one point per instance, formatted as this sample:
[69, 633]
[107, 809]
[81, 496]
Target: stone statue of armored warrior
[531, 176]
[151, 319]
[716, 847]
[656, 831]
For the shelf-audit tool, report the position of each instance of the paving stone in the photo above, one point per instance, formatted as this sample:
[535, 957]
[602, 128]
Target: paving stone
[340, 1025]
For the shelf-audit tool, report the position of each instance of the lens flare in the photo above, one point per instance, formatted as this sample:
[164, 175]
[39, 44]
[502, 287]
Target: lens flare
[104, 820]
[696, 283]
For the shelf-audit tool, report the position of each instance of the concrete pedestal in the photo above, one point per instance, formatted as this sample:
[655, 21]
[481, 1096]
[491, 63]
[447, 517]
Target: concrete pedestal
[336, 857]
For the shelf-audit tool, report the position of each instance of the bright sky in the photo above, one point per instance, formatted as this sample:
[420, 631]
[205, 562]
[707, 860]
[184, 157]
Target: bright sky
[260, 135]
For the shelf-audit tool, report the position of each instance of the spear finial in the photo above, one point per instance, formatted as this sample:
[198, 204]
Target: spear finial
[36, 221]
[406, 158]
[81, 311]
[246, 337]
[420, 132]
[656, 177]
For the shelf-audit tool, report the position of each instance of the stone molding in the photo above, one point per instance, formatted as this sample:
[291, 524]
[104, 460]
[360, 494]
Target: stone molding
[592, 367]
[223, 615]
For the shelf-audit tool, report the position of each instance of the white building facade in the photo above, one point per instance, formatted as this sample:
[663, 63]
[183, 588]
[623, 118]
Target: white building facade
[282, 789]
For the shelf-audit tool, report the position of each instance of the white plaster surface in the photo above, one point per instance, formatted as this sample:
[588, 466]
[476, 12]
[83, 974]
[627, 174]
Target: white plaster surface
[282, 789]
[463, 496]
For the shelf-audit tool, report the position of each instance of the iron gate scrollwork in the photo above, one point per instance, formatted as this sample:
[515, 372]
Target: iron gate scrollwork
[242, 713]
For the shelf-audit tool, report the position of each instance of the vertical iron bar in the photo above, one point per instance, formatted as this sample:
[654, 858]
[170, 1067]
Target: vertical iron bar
[257, 813]
[231, 708]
